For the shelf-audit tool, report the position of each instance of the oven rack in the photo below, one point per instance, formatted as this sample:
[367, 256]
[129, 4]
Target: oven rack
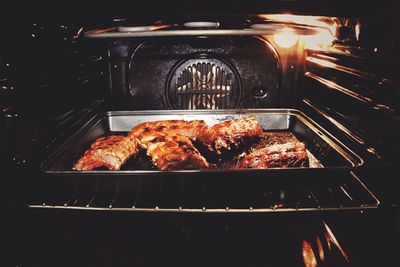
[351, 194]
[179, 30]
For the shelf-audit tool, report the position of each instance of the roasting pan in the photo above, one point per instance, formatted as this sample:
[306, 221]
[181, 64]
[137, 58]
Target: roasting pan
[330, 153]
[161, 188]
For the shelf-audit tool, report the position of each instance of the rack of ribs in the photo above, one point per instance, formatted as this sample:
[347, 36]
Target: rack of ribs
[173, 152]
[230, 133]
[110, 152]
[169, 144]
[292, 154]
[190, 129]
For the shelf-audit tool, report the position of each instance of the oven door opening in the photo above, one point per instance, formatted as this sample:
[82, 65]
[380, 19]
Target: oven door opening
[322, 84]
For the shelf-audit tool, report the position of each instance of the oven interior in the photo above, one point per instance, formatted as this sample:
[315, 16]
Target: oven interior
[76, 79]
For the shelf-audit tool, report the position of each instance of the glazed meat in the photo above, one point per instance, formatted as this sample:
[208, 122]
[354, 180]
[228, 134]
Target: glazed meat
[277, 156]
[110, 152]
[230, 133]
[173, 152]
[189, 129]
[169, 145]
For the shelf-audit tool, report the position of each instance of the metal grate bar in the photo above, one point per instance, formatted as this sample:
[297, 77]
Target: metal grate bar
[221, 201]
[343, 192]
[335, 195]
[111, 33]
[202, 209]
[89, 204]
[70, 200]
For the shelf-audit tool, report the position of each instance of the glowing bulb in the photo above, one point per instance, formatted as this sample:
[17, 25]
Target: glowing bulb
[286, 38]
[322, 40]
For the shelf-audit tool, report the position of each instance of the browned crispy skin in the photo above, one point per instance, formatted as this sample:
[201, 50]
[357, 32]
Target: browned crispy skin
[173, 152]
[168, 143]
[277, 156]
[110, 152]
[189, 129]
[228, 133]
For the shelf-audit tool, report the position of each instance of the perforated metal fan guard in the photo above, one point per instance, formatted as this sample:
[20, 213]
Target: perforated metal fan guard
[204, 83]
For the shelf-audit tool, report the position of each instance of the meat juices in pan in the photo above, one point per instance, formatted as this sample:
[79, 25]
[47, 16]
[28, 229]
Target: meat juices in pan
[226, 134]
[110, 152]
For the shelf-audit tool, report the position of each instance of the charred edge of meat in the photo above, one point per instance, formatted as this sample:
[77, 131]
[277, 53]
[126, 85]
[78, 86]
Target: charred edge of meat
[226, 157]
[142, 161]
[292, 154]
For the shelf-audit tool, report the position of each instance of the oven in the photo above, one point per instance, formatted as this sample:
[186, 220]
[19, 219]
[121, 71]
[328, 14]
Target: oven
[316, 72]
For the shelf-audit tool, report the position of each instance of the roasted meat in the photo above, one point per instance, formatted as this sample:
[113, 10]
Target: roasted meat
[189, 129]
[292, 154]
[230, 133]
[173, 152]
[169, 145]
[273, 138]
[110, 152]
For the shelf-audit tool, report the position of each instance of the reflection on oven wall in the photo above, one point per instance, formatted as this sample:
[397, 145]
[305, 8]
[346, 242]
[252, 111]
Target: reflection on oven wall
[355, 82]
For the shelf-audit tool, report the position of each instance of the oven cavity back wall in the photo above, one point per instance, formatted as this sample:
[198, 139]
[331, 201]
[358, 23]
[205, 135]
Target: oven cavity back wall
[194, 73]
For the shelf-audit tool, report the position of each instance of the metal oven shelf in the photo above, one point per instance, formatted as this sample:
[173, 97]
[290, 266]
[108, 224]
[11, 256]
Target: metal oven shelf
[348, 194]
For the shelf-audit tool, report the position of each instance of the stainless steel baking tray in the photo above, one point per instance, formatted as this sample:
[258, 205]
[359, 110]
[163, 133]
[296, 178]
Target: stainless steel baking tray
[326, 152]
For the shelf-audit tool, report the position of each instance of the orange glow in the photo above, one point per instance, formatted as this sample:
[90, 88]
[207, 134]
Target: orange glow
[316, 21]
[286, 38]
[321, 41]
[320, 249]
[327, 63]
[322, 62]
[308, 255]
[333, 239]
[325, 29]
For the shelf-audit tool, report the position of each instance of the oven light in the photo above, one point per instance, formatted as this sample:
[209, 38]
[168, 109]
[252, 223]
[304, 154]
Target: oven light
[321, 41]
[314, 21]
[325, 30]
[286, 38]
